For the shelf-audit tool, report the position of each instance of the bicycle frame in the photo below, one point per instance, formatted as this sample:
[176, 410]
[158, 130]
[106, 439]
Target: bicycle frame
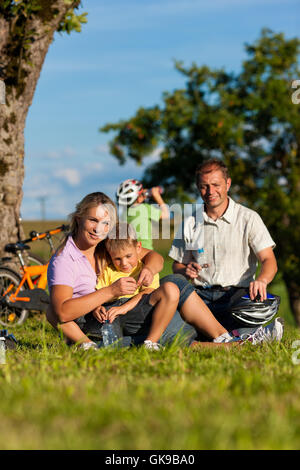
[48, 234]
[29, 272]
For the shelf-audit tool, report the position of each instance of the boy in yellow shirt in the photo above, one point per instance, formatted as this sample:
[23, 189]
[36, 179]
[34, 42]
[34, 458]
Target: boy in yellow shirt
[150, 309]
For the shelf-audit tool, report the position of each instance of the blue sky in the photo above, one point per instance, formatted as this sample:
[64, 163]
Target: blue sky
[123, 59]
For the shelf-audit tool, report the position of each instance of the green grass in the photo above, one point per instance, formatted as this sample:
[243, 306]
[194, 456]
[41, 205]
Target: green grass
[53, 397]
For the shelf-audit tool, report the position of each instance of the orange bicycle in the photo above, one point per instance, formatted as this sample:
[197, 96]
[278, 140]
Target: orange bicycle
[48, 235]
[20, 294]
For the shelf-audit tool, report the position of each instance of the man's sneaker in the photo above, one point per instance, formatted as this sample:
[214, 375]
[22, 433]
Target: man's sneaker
[152, 346]
[88, 345]
[269, 333]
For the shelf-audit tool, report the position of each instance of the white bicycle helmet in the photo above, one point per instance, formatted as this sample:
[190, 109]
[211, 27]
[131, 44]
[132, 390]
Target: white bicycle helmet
[255, 312]
[129, 191]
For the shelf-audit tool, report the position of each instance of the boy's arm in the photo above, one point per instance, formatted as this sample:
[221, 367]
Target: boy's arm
[113, 312]
[159, 200]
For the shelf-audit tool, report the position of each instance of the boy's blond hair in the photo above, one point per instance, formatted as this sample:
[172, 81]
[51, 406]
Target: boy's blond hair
[122, 236]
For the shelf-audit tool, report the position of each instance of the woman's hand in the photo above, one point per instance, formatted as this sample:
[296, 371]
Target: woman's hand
[124, 286]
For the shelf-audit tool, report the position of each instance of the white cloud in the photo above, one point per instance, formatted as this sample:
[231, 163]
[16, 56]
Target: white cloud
[65, 152]
[101, 149]
[70, 175]
[92, 169]
[69, 152]
[54, 154]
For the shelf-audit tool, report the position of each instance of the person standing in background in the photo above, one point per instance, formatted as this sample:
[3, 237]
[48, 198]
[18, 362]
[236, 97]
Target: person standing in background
[139, 214]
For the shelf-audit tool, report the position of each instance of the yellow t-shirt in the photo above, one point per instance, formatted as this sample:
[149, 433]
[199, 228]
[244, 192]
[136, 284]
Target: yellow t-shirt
[111, 274]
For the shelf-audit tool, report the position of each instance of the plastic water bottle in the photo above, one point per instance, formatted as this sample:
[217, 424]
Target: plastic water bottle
[148, 192]
[108, 335]
[2, 350]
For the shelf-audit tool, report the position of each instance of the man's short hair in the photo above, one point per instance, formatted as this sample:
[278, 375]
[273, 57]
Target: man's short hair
[211, 165]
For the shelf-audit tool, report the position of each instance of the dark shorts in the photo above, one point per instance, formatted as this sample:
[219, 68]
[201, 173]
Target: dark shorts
[219, 302]
[136, 323]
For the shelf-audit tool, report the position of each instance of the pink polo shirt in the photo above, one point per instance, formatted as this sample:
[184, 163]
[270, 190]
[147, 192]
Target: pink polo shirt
[71, 268]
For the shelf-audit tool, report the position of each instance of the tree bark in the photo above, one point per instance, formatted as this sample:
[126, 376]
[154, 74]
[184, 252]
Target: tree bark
[294, 297]
[20, 68]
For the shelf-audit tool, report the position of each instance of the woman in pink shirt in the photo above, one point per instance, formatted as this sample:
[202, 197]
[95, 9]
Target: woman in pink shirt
[73, 270]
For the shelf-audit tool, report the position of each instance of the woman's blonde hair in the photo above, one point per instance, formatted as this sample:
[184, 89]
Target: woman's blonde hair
[81, 209]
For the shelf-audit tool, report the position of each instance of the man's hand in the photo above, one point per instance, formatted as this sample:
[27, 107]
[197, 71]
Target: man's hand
[100, 314]
[258, 287]
[192, 270]
[145, 277]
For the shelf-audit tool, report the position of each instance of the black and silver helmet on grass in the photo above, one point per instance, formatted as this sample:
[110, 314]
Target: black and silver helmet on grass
[255, 312]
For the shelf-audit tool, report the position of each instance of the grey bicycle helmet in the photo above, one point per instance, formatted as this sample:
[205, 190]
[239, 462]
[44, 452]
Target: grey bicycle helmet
[255, 312]
[129, 191]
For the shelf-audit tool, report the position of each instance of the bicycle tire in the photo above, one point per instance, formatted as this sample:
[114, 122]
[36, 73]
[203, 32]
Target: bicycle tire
[10, 316]
[35, 260]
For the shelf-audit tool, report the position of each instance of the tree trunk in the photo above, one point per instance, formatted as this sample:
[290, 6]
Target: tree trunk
[20, 68]
[294, 297]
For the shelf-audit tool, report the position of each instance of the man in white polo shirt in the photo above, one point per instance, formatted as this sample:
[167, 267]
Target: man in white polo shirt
[218, 247]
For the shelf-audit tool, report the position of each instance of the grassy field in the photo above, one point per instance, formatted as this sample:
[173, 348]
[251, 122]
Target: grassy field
[53, 397]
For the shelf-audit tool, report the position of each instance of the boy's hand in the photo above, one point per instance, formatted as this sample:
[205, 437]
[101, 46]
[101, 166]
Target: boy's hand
[114, 312]
[124, 286]
[145, 277]
[100, 314]
[155, 192]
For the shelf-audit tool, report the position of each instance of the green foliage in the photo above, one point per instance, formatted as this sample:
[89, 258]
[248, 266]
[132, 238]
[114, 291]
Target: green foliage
[72, 22]
[248, 120]
[24, 31]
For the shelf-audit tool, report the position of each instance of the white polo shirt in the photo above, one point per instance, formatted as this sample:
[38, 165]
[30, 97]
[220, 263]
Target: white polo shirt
[229, 245]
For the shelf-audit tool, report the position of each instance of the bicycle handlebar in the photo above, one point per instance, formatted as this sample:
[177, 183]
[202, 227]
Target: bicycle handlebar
[39, 236]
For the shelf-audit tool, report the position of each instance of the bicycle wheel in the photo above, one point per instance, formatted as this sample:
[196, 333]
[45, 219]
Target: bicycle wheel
[34, 260]
[10, 316]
